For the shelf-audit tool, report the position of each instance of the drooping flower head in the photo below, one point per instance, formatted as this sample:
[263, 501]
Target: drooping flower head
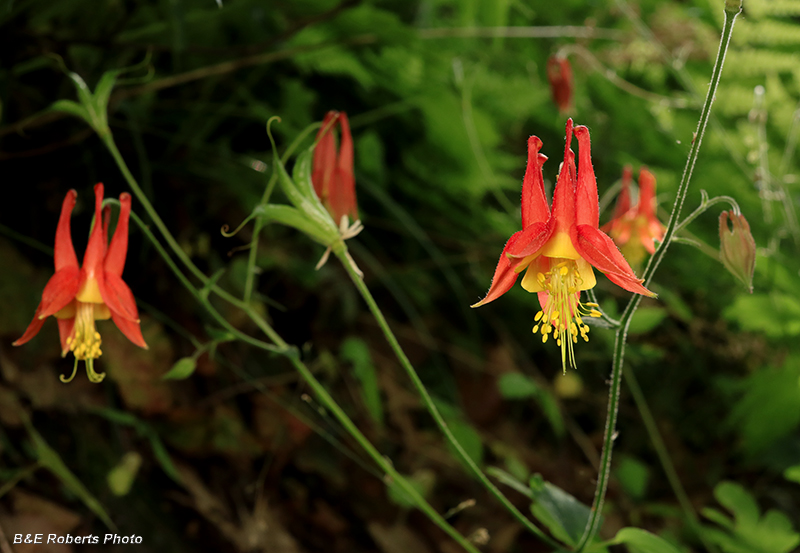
[557, 249]
[559, 73]
[636, 228]
[332, 175]
[78, 296]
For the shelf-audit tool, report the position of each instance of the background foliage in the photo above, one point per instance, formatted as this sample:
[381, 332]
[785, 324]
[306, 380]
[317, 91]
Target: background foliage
[239, 457]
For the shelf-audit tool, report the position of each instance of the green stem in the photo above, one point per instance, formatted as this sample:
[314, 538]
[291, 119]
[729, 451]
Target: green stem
[340, 250]
[732, 9]
[663, 456]
[705, 204]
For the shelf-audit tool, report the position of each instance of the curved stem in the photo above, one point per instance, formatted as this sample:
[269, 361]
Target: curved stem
[340, 250]
[703, 207]
[732, 9]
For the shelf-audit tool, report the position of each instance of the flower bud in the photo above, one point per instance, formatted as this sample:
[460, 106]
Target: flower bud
[737, 247]
[559, 73]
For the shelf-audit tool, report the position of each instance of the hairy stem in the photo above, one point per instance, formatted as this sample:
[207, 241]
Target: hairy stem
[732, 9]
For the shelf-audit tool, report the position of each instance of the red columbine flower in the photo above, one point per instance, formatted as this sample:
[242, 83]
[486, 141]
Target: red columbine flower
[559, 248]
[636, 228]
[559, 73]
[333, 177]
[77, 296]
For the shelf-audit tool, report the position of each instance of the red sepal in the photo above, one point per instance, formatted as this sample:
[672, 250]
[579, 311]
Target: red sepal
[504, 275]
[64, 251]
[59, 291]
[586, 201]
[115, 257]
[324, 161]
[342, 195]
[534, 201]
[130, 329]
[600, 251]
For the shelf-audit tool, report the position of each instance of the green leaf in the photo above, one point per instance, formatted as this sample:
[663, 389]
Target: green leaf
[642, 541]
[748, 532]
[770, 406]
[468, 437]
[792, 474]
[633, 475]
[646, 319]
[182, 369]
[517, 386]
[356, 351]
[564, 516]
[120, 479]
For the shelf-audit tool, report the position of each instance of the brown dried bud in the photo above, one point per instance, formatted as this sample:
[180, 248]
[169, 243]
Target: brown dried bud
[737, 247]
[559, 73]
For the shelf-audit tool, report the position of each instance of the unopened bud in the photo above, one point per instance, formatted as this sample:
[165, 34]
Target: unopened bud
[559, 73]
[737, 247]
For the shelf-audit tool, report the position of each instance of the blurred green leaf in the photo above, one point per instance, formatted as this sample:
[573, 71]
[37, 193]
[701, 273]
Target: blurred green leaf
[770, 405]
[646, 319]
[564, 516]
[748, 532]
[792, 474]
[182, 369]
[517, 386]
[633, 475]
[356, 351]
[120, 479]
[642, 541]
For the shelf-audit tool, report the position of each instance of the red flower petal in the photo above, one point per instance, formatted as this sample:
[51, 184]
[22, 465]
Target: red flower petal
[96, 248]
[599, 250]
[130, 329]
[33, 328]
[118, 249]
[532, 239]
[65, 327]
[59, 291]
[64, 251]
[564, 195]
[342, 192]
[504, 275]
[118, 297]
[324, 160]
[586, 201]
[534, 201]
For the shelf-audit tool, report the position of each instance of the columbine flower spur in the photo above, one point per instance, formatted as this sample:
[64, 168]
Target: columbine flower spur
[78, 296]
[558, 248]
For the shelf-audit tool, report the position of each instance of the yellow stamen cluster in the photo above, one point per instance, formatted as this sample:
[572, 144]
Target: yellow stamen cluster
[561, 317]
[85, 341]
